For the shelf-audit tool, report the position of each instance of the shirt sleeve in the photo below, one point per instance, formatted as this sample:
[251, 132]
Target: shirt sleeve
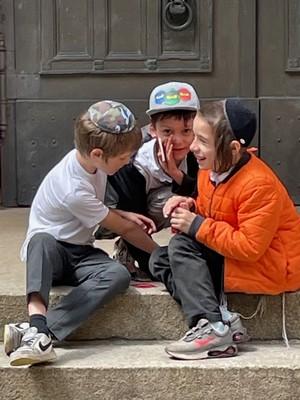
[85, 206]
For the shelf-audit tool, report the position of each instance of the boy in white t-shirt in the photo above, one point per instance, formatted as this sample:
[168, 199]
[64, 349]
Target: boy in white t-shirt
[59, 249]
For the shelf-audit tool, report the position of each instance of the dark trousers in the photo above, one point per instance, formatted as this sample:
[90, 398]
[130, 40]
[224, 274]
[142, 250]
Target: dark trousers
[96, 277]
[142, 257]
[193, 274]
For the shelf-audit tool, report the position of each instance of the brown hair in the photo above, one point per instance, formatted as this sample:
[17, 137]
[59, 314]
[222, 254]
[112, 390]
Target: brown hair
[88, 136]
[186, 115]
[213, 112]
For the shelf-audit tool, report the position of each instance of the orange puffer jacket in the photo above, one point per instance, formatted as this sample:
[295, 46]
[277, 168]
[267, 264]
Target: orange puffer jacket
[251, 220]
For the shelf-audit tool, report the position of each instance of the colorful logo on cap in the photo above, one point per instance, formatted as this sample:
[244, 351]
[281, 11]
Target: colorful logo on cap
[172, 97]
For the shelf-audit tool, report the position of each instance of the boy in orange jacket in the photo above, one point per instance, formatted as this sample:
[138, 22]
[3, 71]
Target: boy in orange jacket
[243, 218]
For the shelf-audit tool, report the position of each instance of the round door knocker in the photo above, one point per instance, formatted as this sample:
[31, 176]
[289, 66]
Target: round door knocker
[177, 15]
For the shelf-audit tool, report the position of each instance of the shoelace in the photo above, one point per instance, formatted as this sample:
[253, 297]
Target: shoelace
[28, 341]
[198, 331]
[29, 338]
[260, 309]
[284, 334]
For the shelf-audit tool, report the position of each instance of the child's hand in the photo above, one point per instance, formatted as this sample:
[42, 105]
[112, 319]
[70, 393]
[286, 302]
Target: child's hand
[144, 222]
[166, 159]
[177, 201]
[181, 219]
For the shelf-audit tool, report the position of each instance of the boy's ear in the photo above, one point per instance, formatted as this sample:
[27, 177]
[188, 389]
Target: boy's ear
[236, 150]
[96, 153]
[152, 130]
[235, 147]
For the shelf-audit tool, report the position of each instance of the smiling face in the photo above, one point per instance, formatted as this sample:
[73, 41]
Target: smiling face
[203, 145]
[179, 130]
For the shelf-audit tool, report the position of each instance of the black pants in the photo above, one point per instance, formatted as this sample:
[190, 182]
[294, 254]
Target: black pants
[142, 257]
[193, 274]
[98, 279]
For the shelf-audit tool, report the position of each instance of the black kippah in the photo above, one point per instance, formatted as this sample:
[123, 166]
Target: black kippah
[242, 121]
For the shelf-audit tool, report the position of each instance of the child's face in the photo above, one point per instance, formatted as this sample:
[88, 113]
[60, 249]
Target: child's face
[203, 145]
[180, 132]
[113, 164]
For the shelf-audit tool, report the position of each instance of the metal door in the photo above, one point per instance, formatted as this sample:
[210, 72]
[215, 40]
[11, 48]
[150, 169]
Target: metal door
[278, 88]
[62, 55]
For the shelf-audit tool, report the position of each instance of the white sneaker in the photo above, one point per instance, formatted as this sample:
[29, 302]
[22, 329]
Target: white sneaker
[12, 336]
[35, 348]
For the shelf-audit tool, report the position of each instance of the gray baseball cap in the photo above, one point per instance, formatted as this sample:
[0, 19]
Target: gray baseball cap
[173, 96]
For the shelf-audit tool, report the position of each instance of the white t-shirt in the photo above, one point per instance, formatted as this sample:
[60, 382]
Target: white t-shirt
[68, 204]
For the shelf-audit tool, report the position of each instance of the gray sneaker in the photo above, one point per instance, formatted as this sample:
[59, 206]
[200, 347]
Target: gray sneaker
[35, 348]
[203, 341]
[239, 332]
[13, 334]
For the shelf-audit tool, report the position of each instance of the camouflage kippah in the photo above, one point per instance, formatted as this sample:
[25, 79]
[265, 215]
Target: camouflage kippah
[112, 117]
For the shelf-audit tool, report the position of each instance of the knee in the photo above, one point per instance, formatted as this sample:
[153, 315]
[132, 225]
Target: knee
[41, 243]
[179, 249]
[154, 261]
[119, 276]
[175, 244]
[42, 240]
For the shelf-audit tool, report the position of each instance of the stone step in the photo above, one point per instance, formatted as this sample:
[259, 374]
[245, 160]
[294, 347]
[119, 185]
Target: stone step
[141, 313]
[147, 311]
[137, 370]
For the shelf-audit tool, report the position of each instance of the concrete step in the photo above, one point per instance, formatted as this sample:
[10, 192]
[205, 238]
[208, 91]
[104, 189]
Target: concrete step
[141, 313]
[130, 370]
[147, 311]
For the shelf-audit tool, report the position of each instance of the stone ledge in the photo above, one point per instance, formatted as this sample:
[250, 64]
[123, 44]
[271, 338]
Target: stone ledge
[124, 370]
[150, 313]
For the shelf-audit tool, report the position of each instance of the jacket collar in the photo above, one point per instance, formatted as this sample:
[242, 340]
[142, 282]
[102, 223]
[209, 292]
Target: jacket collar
[225, 176]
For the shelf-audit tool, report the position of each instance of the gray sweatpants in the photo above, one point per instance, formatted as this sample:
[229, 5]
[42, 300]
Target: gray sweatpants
[193, 274]
[95, 276]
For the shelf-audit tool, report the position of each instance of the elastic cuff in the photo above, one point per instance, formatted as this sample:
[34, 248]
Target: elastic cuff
[195, 226]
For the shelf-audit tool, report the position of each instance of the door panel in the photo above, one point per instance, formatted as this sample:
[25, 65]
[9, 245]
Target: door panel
[278, 48]
[44, 135]
[111, 36]
[278, 77]
[280, 142]
[65, 55]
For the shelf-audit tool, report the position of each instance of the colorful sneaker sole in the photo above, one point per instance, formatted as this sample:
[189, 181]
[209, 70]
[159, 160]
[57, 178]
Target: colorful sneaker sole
[229, 351]
[240, 337]
[217, 352]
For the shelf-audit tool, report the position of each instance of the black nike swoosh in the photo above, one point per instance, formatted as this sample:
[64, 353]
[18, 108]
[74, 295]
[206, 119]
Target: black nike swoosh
[44, 348]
